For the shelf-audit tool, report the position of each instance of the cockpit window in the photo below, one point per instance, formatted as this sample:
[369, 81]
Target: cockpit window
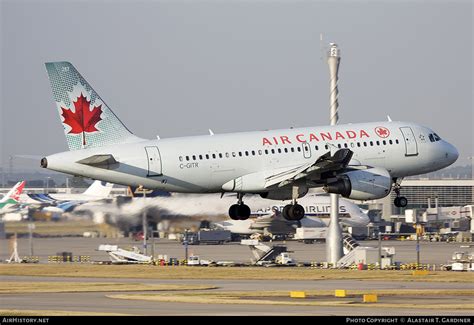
[431, 137]
[437, 138]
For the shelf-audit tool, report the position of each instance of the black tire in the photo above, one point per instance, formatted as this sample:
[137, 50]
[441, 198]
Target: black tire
[234, 212]
[402, 201]
[296, 212]
[285, 212]
[243, 212]
[396, 202]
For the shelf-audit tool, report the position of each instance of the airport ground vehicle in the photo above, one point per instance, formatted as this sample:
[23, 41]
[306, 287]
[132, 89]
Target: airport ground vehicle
[208, 237]
[310, 235]
[195, 260]
[285, 259]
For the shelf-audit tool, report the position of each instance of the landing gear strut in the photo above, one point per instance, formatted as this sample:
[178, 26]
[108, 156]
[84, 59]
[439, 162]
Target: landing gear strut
[400, 201]
[239, 211]
[294, 211]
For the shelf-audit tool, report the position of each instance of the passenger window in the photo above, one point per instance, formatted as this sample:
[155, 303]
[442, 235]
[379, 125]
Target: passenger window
[286, 150]
[260, 152]
[227, 155]
[194, 157]
[279, 150]
[378, 142]
[292, 149]
[326, 147]
[371, 143]
[273, 151]
[316, 147]
[390, 141]
[200, 157]
[240, 153]
[384, 142]
[299, 149]
[396, 141]
[253, 152]
[345, 145]
[213, 156]
[266, 151]
[358, 144]
[180, 158]
[365, 144]
[220, 155]
[339, 145]
[187, 158]
[234, 154]
[246, 153]
[207, 156]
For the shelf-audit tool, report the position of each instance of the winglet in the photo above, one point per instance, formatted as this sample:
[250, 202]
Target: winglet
[389, 118]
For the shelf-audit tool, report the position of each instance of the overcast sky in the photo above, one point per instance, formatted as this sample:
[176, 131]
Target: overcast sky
[175, 68]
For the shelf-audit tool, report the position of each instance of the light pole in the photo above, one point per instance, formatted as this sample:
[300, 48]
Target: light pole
[144, 223]
[334, 246]
[47, 184]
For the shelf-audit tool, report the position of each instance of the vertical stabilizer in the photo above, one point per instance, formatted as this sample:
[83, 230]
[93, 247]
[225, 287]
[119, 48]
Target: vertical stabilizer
[86, 118]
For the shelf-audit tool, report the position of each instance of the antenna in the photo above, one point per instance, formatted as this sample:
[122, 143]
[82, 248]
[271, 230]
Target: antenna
[322, 53]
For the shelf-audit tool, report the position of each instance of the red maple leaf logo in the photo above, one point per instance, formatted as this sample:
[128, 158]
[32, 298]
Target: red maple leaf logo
[382, 132]
[83, 119]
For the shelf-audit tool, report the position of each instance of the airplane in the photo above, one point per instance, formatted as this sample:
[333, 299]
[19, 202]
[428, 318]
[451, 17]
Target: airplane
[317, 212]
[60, 202]
[360, 161]
[12, 198]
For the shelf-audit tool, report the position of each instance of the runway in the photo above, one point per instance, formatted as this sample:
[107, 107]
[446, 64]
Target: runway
[91, 302]
[98, 302]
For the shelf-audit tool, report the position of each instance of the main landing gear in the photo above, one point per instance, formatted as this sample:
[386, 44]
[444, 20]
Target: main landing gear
[400, 201]
[294, 211]
[239, 211]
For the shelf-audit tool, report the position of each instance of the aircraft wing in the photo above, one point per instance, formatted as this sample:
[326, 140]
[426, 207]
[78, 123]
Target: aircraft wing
[325, 163]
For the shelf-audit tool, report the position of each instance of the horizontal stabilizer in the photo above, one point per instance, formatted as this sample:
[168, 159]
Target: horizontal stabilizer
[101, 161]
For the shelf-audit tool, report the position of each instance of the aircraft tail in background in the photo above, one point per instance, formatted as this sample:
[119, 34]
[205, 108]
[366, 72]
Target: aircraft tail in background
[99, 189]
[13, 196]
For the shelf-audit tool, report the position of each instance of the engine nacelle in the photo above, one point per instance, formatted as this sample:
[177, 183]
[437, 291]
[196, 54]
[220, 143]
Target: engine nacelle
[368, 184]
[284, 194]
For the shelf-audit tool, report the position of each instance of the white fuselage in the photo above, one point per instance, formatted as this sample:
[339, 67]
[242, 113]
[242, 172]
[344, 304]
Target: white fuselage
[203, 164]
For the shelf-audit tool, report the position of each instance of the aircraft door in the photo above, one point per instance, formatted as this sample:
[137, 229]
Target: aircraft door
[306, 150]
[154, 161]
[410, 141]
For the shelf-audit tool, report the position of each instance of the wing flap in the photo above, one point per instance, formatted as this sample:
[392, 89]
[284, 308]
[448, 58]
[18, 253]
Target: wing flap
[326, 162]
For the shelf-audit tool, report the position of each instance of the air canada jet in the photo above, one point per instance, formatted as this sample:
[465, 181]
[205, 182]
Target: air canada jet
[360, 161]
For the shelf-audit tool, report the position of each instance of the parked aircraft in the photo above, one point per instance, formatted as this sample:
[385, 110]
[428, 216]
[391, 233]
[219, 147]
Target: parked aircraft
[361, 161]
[60, 202]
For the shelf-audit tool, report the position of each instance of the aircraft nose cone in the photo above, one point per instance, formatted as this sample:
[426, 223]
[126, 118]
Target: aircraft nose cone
[452, 153]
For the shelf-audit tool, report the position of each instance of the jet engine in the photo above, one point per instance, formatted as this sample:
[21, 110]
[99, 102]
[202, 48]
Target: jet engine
[284, 194]
[367, 184]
